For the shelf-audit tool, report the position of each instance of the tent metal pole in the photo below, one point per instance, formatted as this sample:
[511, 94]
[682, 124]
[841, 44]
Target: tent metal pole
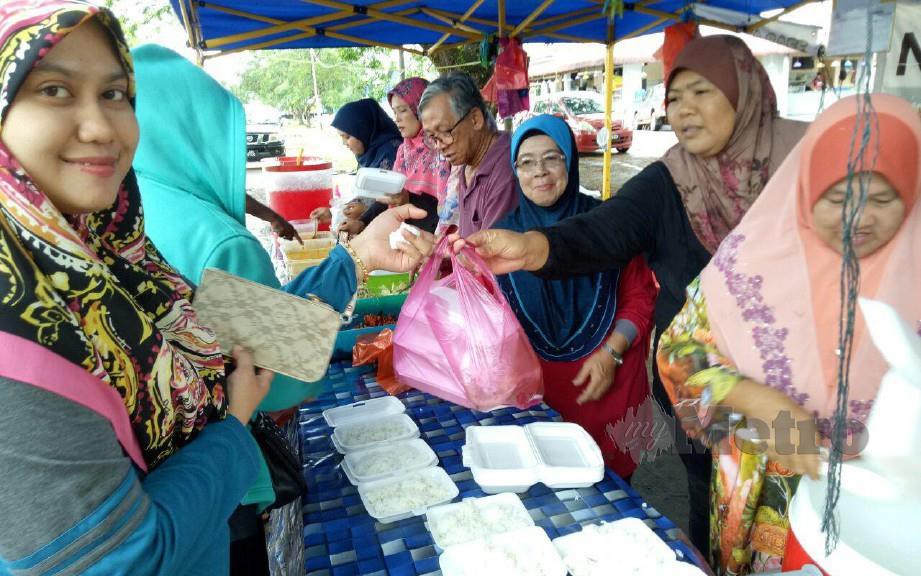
[532, 16]
[775, 17]
[482, 21]
[568, 16]
[375, 14]
[450, 21]
[197, 34]
[567, 38]
[461, 20]
[280, 26]
[187, 24]
[608, 110]
[329, 33]
[597, 15]
[308, 32]
[678, 15]
[645, 29]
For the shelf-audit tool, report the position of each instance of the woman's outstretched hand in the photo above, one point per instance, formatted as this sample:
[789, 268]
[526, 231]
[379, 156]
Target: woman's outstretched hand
[505, 251]
[373, 244]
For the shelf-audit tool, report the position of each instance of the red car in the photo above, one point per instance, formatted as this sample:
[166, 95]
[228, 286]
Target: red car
[584, 112]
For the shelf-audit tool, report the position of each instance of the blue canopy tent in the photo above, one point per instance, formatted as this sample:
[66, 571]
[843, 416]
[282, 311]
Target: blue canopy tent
[233, 25]
[218, 27]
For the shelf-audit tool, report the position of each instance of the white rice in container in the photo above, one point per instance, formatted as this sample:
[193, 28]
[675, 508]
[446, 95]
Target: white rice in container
[504, 517]
[374, 431]
[477, 518]
[461, 524]
[626, 547]
[415, 492]
[526, 552]
[383, 461]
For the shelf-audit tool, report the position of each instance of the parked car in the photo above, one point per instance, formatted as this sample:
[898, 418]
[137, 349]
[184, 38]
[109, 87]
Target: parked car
[650, 111]
[584, 112]
[263, 141]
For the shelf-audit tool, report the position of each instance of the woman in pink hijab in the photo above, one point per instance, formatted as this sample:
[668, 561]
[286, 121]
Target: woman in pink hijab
[758, 335]
[426, 171]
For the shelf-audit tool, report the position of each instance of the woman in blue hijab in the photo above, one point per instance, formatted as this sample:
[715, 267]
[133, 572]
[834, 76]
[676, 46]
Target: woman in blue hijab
[591, 333]
[369, 133]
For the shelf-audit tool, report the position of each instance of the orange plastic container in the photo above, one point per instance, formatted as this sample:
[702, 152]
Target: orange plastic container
[295, 189]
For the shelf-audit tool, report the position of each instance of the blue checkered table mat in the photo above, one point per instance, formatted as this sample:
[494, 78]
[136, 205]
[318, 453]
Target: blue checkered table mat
[341, 539]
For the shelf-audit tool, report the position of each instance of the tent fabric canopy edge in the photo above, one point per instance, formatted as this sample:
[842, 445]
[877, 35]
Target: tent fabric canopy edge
[224, 26]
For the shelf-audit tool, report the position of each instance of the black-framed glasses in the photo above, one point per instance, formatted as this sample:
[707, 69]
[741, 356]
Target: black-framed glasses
[551, 161]
[446, 138]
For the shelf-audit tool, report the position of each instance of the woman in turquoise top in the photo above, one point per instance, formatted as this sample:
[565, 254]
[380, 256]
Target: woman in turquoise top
[191, 169]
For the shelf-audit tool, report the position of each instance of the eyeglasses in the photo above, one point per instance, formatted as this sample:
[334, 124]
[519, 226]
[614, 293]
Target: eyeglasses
[446, 138]
[551, 161]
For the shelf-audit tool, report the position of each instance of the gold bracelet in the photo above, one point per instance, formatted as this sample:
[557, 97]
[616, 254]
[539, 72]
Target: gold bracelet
[363, 279]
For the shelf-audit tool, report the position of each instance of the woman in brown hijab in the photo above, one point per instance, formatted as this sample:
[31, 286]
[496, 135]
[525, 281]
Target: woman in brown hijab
[676, 211]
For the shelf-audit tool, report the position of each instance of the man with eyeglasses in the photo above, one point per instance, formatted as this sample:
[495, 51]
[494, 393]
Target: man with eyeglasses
[458, 125]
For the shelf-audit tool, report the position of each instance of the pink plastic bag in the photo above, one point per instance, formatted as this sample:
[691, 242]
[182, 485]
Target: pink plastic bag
[458, 339]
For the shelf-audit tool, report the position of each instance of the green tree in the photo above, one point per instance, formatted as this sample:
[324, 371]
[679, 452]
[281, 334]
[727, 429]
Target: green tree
[464, 58]
[284, 78]
[141, 20]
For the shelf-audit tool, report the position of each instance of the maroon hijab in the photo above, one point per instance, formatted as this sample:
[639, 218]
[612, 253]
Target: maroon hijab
[719, 190]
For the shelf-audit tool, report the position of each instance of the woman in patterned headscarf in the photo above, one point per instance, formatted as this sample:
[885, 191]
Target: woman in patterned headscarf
[758, 336]
[102, 360]
[426, 172]
[96, 326]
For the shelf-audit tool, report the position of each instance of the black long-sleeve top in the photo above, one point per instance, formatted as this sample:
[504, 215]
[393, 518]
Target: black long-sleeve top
[645, 217]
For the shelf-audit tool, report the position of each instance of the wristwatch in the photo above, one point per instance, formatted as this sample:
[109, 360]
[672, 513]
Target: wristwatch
[618, 359]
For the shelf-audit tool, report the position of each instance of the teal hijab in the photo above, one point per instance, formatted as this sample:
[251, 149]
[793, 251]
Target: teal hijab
[565, 320]
[201, 149]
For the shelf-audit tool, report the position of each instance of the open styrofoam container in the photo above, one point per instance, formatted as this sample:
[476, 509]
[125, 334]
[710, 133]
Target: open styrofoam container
[524, 552]
[476, 518]
[364, 410]
[513, 458]
[388, 460]
[408, 494]
[374, 432]
[378, 183]
[626, 546]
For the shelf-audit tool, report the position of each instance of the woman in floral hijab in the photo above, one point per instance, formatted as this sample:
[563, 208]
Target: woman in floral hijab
[97, 334]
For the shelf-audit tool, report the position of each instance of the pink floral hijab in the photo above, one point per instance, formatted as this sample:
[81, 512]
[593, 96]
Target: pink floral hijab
[772, 287]
[426, 172]
[718, 191]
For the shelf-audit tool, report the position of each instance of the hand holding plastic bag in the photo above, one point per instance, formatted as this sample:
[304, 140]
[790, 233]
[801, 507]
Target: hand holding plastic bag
[458, 339]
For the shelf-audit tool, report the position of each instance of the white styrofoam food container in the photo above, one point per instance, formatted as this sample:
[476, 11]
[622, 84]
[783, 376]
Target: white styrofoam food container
[407, 495]
[388, 460]
[626, 546]
[364, 410]
[373, 432]
[378, 183]
[525, 552]
[477, 518]
[513, 458]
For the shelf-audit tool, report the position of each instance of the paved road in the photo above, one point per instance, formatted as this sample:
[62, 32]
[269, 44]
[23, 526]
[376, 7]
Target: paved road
[647, 148]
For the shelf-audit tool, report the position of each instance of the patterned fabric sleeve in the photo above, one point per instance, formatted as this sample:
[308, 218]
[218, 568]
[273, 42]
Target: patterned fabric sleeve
[696, 376]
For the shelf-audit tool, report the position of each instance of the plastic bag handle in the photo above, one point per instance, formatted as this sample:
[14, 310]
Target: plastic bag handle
[478, 263]
[431, 268]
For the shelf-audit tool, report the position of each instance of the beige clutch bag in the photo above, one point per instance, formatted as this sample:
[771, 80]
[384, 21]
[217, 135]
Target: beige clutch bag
[287, 334]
